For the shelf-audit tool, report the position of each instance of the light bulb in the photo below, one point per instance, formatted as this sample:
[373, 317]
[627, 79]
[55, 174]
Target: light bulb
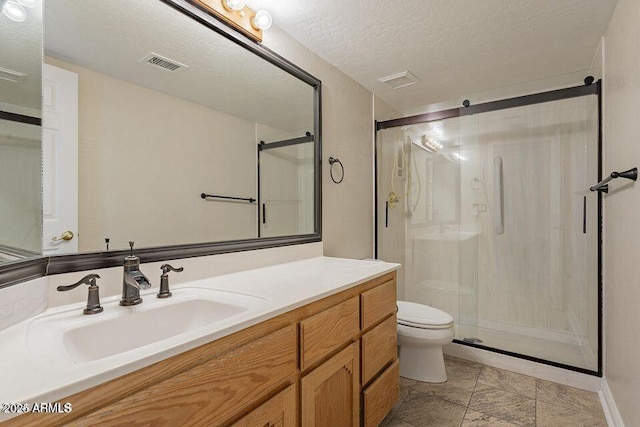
[14, 11]
[28, 3]
[262, 20]
[234, 4]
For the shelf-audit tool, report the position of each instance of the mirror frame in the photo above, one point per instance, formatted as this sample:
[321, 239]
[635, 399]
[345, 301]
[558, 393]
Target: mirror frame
[16, 272]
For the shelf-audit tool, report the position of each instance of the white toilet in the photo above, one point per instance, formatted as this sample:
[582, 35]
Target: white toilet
[422, 331]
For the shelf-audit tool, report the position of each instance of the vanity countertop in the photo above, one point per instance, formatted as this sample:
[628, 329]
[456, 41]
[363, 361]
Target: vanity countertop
[31, 373]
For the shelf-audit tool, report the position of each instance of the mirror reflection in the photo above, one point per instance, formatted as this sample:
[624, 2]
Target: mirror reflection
[144, 110]
[20, 112]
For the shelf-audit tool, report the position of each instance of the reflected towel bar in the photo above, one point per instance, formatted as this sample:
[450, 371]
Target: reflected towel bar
[211, 196]
[602, 186]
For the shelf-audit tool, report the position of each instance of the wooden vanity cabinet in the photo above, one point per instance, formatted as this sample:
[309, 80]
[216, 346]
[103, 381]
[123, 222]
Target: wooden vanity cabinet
[329, 363]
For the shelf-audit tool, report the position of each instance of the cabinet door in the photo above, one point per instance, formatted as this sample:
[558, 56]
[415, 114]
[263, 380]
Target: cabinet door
[279, 411]
[331, 392]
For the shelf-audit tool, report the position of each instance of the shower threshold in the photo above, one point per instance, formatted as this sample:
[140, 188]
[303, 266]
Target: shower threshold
[570, 355]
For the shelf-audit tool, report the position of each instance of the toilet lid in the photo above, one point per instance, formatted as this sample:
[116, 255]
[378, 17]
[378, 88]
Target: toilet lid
[420, 315]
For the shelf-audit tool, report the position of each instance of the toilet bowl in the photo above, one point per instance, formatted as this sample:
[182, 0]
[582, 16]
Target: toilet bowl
[422, 331]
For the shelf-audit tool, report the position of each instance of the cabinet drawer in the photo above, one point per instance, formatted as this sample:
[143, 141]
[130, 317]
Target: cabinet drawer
[279, 411]
[381, 395]
[378, 303]
[379, 347]
[327, 331]
[210, 393]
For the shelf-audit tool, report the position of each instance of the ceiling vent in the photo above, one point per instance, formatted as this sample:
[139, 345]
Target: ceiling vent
[396, 81]
[11, 75]
[163, 63]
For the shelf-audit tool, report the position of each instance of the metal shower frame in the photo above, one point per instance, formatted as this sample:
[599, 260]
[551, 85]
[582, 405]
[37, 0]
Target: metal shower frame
[589, 88]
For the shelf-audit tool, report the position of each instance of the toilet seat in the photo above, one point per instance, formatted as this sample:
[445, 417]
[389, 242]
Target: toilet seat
[422, 316]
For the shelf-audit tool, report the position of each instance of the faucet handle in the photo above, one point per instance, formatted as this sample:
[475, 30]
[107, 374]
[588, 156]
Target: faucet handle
[93, 299]
[166, 268]
[164, 280]
[89, 279]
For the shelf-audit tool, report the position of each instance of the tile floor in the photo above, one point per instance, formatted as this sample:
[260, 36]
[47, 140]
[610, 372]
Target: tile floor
[481, 396]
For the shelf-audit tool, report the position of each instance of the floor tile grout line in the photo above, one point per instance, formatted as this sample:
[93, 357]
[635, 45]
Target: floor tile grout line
[475, 384]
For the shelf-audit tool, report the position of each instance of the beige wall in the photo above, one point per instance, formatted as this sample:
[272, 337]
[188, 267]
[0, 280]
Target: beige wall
[622, 210]
[347, 133]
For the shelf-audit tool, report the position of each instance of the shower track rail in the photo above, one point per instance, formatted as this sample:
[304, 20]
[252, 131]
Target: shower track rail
[519, 101]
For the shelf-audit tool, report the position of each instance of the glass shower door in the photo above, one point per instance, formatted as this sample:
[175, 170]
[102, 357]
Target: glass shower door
[423, 221]
[538, 251]
[491, 218]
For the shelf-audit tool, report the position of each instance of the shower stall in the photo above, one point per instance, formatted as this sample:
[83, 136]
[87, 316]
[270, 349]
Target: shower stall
[488, 209]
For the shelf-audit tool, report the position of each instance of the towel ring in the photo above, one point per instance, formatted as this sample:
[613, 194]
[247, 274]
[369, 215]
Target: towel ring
[332, 161]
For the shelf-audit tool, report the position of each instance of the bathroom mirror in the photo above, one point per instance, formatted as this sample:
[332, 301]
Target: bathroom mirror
[184, 135]
[20, 112]
[148, 121]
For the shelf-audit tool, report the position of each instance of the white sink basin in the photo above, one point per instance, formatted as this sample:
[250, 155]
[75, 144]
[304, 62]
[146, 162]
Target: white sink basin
[117, 330]
[139, 328]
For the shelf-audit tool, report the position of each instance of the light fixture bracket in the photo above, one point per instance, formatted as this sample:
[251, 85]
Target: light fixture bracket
[240, 20]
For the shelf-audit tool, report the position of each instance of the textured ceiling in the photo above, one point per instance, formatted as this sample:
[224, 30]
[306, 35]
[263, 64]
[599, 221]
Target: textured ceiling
[455, 47]
[112, 36]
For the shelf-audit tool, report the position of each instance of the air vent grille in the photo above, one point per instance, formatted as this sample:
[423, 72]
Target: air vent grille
[163, 63]
[396, 81]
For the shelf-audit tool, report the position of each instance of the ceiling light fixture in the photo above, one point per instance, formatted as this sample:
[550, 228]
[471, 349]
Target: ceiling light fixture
[234, 4]
[236, 14]
[262, 20]
[13, 10]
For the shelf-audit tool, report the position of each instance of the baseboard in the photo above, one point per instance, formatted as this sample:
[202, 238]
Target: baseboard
[609, 406]
[525, 367]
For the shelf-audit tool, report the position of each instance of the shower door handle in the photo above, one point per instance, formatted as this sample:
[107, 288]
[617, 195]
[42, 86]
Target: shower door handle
[386, 214]
[498, 196]
[264, 213]
[584, 215]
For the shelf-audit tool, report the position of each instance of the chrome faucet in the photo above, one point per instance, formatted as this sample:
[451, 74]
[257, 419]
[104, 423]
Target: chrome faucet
[133, 280]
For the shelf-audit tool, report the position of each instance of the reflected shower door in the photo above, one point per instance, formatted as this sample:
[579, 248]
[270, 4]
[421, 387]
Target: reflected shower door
[285, 188]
